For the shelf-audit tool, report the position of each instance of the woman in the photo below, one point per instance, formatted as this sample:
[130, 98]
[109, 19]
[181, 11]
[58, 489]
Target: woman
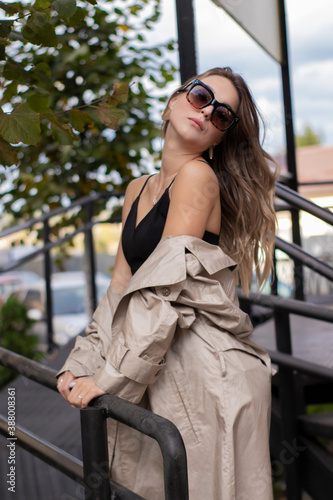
[169, 334]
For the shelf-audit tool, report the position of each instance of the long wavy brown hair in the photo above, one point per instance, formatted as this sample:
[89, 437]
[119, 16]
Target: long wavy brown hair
[247, 176]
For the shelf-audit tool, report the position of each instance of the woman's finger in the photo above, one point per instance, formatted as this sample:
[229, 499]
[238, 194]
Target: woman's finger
[80, 388]
[77, 400]
[83, 392]
[64, 382]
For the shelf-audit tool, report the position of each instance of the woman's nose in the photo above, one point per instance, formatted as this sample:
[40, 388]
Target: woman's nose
[207, 111]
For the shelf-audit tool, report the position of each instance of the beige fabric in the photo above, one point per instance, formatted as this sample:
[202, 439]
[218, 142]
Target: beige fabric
[178, 344]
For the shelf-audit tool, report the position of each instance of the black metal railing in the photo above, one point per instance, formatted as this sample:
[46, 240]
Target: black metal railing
[294, 203]
[94, 439]
[297, 253]
[87, 203]
[289, 366]
[296, 200]
[95, 446]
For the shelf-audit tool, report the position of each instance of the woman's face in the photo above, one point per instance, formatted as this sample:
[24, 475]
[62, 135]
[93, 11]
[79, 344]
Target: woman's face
[193, 125]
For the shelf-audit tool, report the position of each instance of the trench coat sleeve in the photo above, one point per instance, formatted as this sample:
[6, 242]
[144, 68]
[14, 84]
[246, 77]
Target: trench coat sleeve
[88, 354]
[143, 329]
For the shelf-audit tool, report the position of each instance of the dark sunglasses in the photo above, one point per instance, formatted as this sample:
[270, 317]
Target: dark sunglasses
[201, 96]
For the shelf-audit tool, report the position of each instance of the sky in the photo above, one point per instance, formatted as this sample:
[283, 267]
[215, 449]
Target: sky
[221, 42]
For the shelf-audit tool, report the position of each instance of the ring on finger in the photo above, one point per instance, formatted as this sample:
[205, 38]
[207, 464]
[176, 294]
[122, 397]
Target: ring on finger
[79, 396]
[61, 380]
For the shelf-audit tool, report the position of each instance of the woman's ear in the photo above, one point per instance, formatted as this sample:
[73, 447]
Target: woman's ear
[173, 100]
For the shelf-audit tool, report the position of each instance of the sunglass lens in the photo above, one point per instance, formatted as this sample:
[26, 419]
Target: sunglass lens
[199, 96]
[222, 118]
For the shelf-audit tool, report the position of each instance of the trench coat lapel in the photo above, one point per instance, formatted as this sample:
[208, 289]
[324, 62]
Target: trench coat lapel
[211, 257]
[167, 264]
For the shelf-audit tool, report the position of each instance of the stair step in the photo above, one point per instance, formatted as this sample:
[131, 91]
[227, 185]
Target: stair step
[319, 424]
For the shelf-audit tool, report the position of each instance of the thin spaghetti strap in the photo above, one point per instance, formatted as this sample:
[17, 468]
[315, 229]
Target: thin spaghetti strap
[144, 185]
[171, 182]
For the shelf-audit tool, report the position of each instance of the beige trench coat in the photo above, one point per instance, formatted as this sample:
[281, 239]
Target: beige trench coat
[177, 343]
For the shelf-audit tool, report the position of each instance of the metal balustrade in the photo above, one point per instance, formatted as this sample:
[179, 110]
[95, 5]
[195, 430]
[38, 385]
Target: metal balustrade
[94, 439]
[289, 424]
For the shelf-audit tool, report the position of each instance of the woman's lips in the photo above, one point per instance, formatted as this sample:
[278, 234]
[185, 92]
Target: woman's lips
[197, 123]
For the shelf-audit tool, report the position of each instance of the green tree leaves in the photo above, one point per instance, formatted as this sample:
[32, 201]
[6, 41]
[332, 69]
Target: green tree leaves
[119, 94]
[107, 112]
[39, 31]
[10, 9]
[8, 153]
[80, 120]
[39, 102]
[75, 98]
[110, 116]
[21, 125]
[65, 8]
[5, 29]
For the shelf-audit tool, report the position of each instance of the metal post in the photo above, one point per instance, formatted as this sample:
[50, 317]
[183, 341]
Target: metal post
[287, 397]
[274, 277]
[90, 260]
[167, 436]
[174, 465]
[95, 454]
[290, 143]
[48, 291]
[186, 39]
[282, 331]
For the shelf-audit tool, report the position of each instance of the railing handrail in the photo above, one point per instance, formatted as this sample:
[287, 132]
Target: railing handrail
[48, 452]
[302, 203]
[159, 428]
[28, 368]
[155, 426]
[308, 260]
[85, 200]
[290, 361]
[116, 408]
[282, 191]
[293, 306]
[53, 244]
[291, 249]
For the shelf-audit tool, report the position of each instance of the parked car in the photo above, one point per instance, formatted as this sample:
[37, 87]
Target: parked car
[70, 303]
[11, 281]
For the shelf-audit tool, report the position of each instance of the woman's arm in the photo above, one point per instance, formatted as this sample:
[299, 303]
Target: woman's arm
[122, 272]
[194, 202]
[84, 389]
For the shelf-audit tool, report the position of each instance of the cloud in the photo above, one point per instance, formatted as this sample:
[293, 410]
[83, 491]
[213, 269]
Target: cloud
[312, 85]
[310, 45]
[221, 42]
[314, 80]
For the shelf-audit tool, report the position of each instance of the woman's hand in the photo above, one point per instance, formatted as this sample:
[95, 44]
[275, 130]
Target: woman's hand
[81, 392]
[64, 380]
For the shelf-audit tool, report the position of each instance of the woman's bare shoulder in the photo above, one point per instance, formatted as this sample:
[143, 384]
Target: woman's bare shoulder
[197, 174]
[194, 201]
[134, 187]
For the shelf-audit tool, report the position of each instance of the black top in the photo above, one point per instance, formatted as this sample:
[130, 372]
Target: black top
[140, 241]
